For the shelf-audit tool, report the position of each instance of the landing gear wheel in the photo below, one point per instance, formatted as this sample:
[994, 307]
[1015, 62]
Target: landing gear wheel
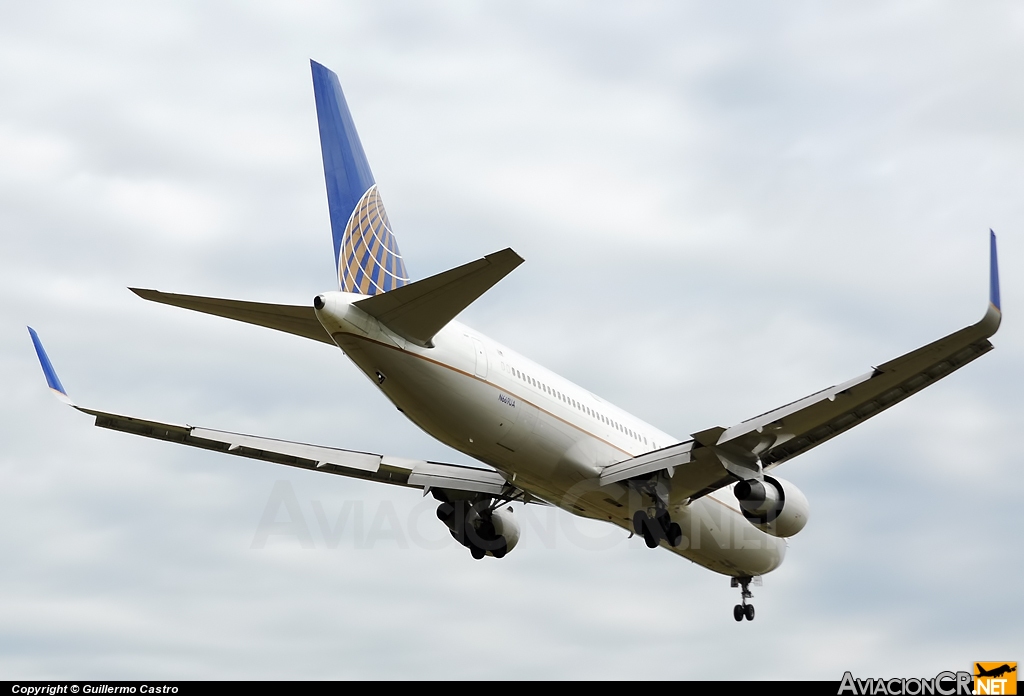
[639, 522]
[743, 610]
[477, 552]
[649, 537]
[674, 534]
[444, 512]
[647, 527]
[652, 520]
[501, 550]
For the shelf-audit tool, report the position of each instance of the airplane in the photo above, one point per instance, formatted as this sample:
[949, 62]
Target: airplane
[712, 498]
[995, 672]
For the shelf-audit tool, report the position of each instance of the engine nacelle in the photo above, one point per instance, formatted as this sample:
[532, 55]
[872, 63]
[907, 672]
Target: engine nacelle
[482, 531]
[774, 506]
[506, 526]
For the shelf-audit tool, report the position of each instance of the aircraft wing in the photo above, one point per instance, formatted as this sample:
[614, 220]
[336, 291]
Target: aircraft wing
[373, 467]
[719, 456]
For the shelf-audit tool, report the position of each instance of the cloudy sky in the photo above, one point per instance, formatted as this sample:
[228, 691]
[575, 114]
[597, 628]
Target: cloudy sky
[723, 207]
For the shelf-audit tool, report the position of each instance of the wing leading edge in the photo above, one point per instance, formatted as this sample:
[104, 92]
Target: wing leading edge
[411, 473]
[720, 456]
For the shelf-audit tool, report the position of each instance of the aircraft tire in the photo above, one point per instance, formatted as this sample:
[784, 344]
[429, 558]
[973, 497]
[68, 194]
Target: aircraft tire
[674, 534]
[749, 612]
[477, 552]
[639, 522]
[737, 612]
[649, 536]
[502, 548]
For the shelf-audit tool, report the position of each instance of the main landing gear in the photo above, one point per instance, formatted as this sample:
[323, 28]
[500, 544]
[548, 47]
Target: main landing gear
[473, 527]
[479, 523]
[659, 526]
[654, 529]
[743, 610]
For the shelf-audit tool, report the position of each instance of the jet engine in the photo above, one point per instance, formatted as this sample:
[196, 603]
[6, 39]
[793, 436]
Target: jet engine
[481, 529]
[774, 506]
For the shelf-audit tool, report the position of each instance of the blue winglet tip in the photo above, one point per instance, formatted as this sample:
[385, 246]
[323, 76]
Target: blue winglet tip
[44, 361]
[993, 290]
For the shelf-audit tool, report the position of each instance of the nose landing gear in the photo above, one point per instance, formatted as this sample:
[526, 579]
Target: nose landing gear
[743, 610]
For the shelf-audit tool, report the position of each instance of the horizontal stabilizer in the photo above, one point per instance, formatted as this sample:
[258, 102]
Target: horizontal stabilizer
[419, 310]
[293, 319]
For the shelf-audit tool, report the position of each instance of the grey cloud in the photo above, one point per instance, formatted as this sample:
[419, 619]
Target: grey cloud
[722, 208]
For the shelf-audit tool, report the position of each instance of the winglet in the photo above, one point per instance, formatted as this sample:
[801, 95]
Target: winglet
[993, 289]
[51, 375]
[994, 315]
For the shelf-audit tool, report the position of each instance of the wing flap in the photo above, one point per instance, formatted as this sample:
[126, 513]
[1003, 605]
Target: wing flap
[412, 473]
[785, 432]
[293, 319]
[429, 475]
[698, 467]
[300, 455]
[890, 383]
[719, 456]
[321, 455]
[665, 458]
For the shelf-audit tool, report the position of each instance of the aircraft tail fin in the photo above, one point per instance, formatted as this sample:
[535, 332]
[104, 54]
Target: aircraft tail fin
[366, 252]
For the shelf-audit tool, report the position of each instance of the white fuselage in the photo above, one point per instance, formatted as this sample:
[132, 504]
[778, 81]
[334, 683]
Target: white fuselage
[545, 434]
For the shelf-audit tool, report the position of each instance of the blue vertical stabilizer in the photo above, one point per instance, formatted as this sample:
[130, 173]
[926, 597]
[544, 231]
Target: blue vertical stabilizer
[365, 250]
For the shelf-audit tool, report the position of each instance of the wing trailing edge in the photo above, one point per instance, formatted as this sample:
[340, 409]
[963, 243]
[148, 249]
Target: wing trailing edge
[398, 471]
[410, 473]
[720, 456]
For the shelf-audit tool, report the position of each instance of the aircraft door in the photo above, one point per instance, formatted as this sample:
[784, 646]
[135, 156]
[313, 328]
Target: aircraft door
[481, 358]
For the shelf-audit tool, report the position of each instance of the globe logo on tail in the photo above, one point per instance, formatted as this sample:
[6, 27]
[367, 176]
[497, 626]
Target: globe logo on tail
[369, 261]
